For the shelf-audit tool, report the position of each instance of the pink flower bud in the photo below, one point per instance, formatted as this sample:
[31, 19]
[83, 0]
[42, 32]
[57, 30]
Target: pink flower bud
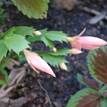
[37, 63]
[86, 42]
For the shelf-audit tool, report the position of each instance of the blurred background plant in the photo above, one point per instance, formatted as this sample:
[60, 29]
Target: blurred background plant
[2, 13]
[95, 92]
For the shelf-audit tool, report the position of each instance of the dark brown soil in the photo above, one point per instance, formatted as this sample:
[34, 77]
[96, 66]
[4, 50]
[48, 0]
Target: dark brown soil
[65, 84]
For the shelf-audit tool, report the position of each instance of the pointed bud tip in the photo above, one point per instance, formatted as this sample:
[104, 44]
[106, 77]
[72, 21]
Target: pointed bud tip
[54, 49]
[53, 75]
[38, 33]
[75, 51]
[82, 32]
[63, 66]
[70, 39]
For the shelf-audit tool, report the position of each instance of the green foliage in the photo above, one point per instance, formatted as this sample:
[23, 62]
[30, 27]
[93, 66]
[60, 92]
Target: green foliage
[32, 8]
[20, 30]
[55, 58]
[2, 14]
[3, 77]
[3, 72]
[23, 30]
[97, 64]
[76, 98]
[60, 52]
[14, 39]
[56, 36]
[16, 43]
[49, 37]
[3, 50]
[88, 82]
[47, 42]
[80, 79]
[87, 97]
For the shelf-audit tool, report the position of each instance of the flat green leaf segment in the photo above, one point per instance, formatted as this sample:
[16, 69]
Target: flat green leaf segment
[16, 43]
[49, 37]
[23, 30]
[56, 36]
[97, 64]
[3, 76]
[32, 8]
[14, 39]
[3, 71]
[78, 100]
[3, 49]
[55, 58]
[20, 30]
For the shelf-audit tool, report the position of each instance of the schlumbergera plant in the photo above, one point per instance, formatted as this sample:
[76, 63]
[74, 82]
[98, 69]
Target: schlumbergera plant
[95, 94]
[16, 44]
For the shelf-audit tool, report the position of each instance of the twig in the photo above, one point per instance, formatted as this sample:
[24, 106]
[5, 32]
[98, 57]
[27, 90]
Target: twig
[97, 18]
[13, 84]
[92, 11]
[5, 92]
[49, 100]
[17, 78]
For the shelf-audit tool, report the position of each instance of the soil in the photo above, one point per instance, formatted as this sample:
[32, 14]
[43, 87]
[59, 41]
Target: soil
[43, 90]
